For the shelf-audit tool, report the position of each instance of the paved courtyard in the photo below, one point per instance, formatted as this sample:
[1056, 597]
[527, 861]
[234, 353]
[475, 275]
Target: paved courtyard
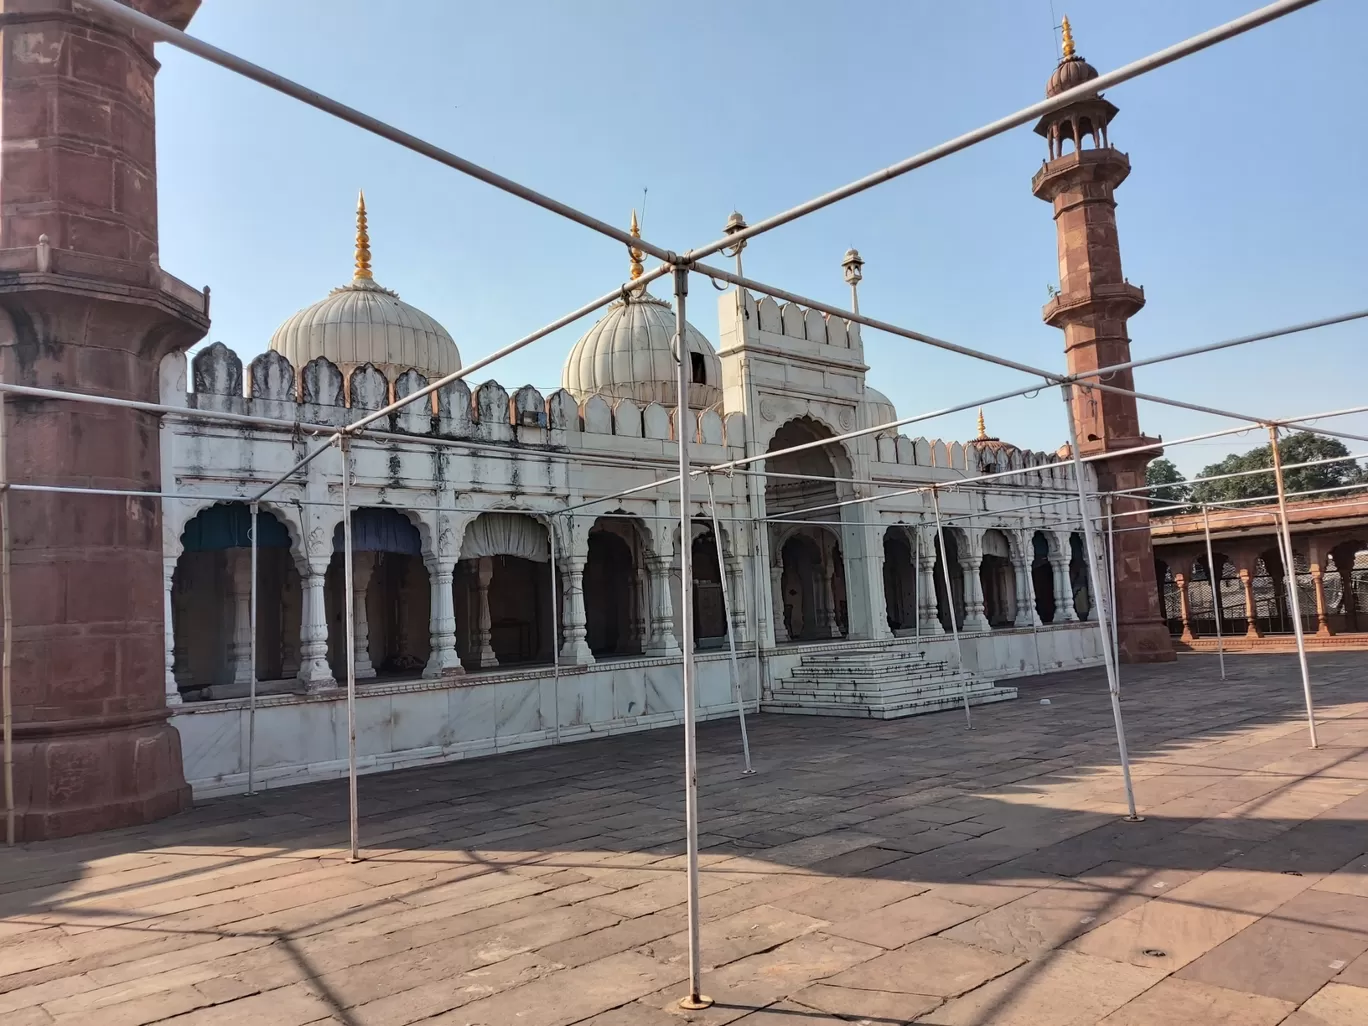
[876, 872]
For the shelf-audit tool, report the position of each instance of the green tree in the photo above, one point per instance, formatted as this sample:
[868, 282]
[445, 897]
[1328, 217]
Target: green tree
[1167, 485]
[1302, 447]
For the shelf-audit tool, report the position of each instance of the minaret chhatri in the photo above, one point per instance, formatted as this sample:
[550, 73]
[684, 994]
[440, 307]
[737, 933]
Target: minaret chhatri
[1091, 308]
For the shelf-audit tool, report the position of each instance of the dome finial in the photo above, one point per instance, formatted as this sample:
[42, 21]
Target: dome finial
[632, 251]
[1068, 39]
[363, 256]
[982, 427]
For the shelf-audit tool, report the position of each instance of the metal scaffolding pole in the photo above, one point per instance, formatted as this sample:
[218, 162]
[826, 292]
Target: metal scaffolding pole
[695, 998]
[1104, 636]
[555, 626]
[254, 514]
[1214, 577]
[950, 607]
[1111, 566]
[1290, 575]
[731, 631]
[349, 604]
[6, 597]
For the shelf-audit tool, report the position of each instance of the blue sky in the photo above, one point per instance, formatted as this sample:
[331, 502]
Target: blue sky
[1243, 211]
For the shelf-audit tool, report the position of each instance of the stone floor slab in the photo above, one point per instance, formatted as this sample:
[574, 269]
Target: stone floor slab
[1175, 1002]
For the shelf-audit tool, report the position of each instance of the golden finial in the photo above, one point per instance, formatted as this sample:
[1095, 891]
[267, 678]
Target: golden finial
[363, 268]
[982, 428]
[633, 252]
[1068, 39]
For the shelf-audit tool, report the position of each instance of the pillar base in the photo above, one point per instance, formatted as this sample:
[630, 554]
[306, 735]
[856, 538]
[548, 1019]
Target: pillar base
[1146, 642]
[70, 783]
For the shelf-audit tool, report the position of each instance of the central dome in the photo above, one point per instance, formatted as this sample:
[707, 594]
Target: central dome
[1073, 70]
[629, 354]
[363, 322]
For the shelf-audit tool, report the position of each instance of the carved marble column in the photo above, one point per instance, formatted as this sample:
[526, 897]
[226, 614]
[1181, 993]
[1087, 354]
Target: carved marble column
[1184, 612]
[442, 658]
[1064, 603]
[928, 611]
[1026, 615]
[735, 582]
[173, 695]
[574, 622]
[663, 640]
[363, 565]
[970, 565]
[1251, 607]
[830, 620]
[777, 597]
[240, 649]
[314, 672]
[1322, 619]
[483, 656]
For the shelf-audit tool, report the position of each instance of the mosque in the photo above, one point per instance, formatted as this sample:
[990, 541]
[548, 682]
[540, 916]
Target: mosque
[517, 576]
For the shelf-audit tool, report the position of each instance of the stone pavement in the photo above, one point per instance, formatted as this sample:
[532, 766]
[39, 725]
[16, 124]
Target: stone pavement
[880, 872]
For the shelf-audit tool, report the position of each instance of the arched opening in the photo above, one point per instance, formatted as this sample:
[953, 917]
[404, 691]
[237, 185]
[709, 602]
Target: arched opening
[1348, 608]
[617, 620]
[390, 596]
[502, 592]
[1270, 594]
[955, 600]
[813, 587]
[211, 603]
[1170, 603]
[1079, 580]
[1201, 600]
[1042, 577]
[710, 618]
[998, 580]
[900, 581]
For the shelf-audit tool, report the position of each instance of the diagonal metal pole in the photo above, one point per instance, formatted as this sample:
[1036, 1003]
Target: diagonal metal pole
[555, 626]
[731, 632]
[1104, 634]
[695, 998]
[1290, 574]
[1214, 577]
[950, 606]
[348, 603]
[254, 514]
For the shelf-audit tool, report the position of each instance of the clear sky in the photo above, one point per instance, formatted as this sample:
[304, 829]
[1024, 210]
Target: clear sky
[1245, 210]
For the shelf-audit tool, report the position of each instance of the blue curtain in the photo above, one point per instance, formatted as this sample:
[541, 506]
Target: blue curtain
[226, 526]
[380, 530]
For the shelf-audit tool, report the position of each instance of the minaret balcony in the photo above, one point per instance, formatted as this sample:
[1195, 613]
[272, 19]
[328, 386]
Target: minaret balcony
[1107, 164]
[1122, 300]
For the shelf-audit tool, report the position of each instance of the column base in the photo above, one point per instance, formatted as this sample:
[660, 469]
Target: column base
[575, 652]
[319, 685]
[73, 783]
[1145, 642]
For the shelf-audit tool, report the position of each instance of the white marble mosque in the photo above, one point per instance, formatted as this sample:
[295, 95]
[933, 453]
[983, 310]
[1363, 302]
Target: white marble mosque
[463, 497]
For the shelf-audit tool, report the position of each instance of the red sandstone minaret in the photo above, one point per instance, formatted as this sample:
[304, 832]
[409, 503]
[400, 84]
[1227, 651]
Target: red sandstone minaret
[84, 306]
[1091, 308]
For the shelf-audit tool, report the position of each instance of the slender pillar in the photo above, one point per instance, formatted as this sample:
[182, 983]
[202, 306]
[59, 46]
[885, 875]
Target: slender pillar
[1026, 615]
[363, 565]
[736, 583]
[1064, 603]
[971, 563]
[575, 647]
[929, 612]
[1184, 611]
[831, 620]
[314, 672]
[1251, 607]
[442, 658]
[777, 592]
[173, 695]
[663, 641]
[484, 657]
[1322, 619]
[240, 649]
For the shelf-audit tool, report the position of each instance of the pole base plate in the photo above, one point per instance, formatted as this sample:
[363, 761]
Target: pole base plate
[1132, 819]
[695, 1002]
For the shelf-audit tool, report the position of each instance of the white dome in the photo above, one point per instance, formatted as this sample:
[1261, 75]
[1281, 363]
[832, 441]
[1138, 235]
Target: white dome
[881, 409]
[362, 323]
[627, 354]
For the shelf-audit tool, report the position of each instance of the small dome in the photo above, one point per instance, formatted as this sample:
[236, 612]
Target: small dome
[990, 449]
[362, 323]
[881, 409]
[1072, 71]
[628, 354]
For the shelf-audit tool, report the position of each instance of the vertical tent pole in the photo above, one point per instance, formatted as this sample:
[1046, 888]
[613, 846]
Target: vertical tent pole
[950, 604]
[731, 634]
[555, 627]
[1111, 564]
[6, 597]
[1215, 589]
[1290, 575]
[916, 584]
[255, 514]
[695, 998]
[1104, 635]
[347, 602]
[759, 570]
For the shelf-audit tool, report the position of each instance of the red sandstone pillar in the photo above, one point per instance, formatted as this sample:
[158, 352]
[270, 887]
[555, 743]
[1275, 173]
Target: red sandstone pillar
[84, 306]
[1184, 610]
[1091, 308]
